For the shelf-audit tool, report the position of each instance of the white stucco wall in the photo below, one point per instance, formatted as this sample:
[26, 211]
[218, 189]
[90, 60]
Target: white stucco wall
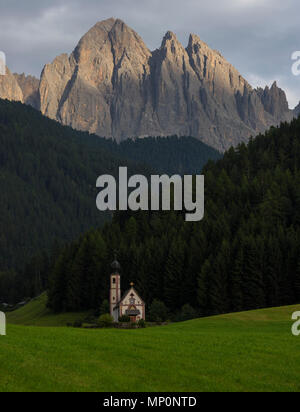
[138, 303]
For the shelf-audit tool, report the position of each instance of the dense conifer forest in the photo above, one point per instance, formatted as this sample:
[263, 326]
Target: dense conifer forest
[48, 178]
[245, 254]
[171, 155]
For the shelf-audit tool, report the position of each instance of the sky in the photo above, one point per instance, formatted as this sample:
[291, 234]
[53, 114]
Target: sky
[257, 36]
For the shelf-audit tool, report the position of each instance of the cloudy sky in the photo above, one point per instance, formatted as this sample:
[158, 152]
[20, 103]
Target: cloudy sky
[257, 36]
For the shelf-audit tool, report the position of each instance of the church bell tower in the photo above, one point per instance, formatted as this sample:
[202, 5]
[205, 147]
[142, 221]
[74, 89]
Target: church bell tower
[115, 289]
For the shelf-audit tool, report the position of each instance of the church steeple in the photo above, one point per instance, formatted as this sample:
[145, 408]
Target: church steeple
[115, 287]
[115, 264]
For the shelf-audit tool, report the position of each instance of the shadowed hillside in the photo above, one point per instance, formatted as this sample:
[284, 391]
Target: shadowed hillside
[48, 176]
[243, 255]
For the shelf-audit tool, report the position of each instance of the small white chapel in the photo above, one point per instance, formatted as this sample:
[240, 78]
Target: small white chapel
[129, 304]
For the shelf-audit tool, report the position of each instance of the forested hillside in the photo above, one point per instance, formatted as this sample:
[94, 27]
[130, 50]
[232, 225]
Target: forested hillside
[245, 254]
[48, 175]
[47, 180]
[171, 155]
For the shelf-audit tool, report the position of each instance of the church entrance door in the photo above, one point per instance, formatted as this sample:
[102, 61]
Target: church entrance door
[132, 318]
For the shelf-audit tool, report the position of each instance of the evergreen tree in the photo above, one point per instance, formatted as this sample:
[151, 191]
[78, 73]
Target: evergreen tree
[254, 296]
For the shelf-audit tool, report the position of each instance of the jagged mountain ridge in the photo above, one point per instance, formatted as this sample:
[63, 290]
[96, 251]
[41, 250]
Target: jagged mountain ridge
[10, 88]
[114, 86]
[30, 89]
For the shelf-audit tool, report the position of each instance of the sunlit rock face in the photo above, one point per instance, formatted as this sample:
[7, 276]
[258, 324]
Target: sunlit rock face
[9, 87]
[114, 86]
[30, 89]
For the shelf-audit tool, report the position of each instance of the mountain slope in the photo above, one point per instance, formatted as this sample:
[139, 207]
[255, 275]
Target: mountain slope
[112, 85]
[170, 155]
[36, 313]
[243, 255]
[48, 175]
[30, 89]
[10, 88]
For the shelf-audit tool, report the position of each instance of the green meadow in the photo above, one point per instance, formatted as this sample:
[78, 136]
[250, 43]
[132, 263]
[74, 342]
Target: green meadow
[36, 313]
[251, 351]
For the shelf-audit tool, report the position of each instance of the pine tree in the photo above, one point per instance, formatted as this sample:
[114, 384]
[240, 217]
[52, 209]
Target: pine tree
[297, 283]
[254, 295]
[174, 290]
[205, 274]
[236, 283]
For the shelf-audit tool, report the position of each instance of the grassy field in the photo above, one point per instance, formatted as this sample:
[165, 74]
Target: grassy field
[252, 351]
[37, 314]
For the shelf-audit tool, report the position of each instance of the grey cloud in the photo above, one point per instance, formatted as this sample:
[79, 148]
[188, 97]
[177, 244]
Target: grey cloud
[256, 36]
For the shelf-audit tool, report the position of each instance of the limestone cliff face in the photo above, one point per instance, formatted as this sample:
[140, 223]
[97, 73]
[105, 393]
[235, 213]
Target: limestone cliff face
[114, 86]
[297, 110]
[9, 87]
[101, 86]
[30, 89]
[18, 87]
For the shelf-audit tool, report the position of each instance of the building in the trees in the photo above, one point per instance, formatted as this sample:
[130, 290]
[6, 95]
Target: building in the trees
[130, 304]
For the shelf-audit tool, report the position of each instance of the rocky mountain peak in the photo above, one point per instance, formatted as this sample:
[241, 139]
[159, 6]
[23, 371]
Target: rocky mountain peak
[30, 89]
[171, 43]
[196, 45]
[10, 88]
[114, 86]
[169, 36]
[125, 40]
[104, 26]
[297, 110]
[274, 100]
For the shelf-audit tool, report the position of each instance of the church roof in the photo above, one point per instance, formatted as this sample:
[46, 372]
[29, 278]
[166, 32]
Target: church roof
[116, 266]
[125, 295]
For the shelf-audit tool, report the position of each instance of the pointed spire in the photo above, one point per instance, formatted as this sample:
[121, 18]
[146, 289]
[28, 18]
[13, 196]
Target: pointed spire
[194, 39]
[115, 264]
[168, 38]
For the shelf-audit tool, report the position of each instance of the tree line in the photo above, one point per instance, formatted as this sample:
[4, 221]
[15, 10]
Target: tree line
[48, 175]
[245, 254]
